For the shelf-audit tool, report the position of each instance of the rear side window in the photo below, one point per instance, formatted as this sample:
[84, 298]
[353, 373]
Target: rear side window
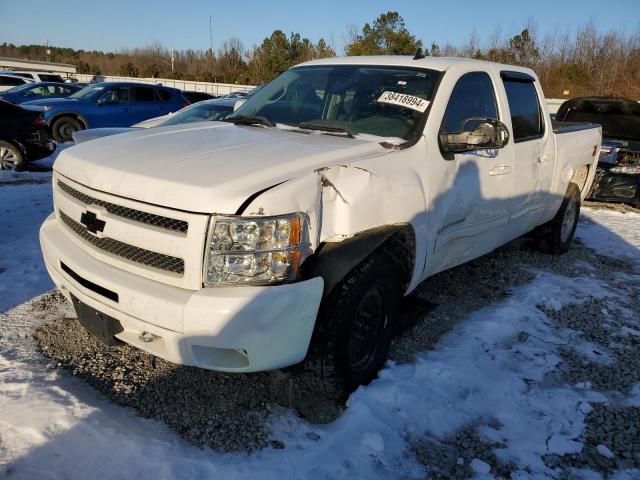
[24, 75]
[473, 96]
[165, 95]
[11, 81]
[145, 94]
[48, 77]
[526, 117]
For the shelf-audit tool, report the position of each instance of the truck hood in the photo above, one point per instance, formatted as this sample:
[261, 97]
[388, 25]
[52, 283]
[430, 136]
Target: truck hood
[209, 167]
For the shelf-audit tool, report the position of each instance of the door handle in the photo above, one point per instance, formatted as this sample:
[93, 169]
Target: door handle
[544, 158]
[500, 170]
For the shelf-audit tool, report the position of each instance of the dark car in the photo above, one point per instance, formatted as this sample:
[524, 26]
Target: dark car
[194, 97]
[618, 172]
[110, 104]
[38, 91]
[23, 136]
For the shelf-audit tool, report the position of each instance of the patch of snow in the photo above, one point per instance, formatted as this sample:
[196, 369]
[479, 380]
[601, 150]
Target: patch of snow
[604, 451]
[479, 466]
[610, 233]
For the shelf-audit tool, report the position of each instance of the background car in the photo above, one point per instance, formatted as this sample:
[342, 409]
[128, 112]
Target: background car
[23, 136]
[109, 104]
[7, 82]
[194, 97]
[36, 76]
[36, 91]
[208, 110]
[236, 95]
[618, 172]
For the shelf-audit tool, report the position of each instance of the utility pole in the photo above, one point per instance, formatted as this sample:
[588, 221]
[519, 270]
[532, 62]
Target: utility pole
[47, 52]
[211, 34]
[172, 60]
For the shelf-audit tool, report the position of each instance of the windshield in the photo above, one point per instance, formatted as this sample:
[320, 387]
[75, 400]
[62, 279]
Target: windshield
[199, 112]
[20, 88]
[382, 101]
[87, 91]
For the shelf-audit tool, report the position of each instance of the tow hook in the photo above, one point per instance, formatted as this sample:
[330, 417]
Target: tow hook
[147, 337]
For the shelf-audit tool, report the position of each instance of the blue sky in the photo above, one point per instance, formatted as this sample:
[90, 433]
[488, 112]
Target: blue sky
[114, 24]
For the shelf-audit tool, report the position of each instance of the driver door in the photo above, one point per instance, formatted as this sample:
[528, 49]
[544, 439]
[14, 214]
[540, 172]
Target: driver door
[473, 212]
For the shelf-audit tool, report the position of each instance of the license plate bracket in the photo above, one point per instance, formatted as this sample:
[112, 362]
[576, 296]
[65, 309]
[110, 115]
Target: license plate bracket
[98, 324]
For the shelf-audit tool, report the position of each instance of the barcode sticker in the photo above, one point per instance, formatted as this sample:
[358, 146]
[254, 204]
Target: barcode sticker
[404, 100]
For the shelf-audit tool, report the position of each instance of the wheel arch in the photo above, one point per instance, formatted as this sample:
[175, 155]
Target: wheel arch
[333, 261]
[74, 115]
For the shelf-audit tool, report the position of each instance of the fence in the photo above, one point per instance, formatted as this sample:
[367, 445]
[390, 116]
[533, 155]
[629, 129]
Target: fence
[212, 88]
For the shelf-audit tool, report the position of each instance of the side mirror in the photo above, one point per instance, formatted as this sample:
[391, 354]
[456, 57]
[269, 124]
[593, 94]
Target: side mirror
[104, 101]
[488, 134]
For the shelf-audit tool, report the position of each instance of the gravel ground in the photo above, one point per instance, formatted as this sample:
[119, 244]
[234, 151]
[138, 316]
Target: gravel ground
[232, 412]
[612, 365]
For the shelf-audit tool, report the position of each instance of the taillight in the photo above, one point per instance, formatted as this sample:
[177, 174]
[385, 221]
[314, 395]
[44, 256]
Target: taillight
[595, 150]
[39, 120]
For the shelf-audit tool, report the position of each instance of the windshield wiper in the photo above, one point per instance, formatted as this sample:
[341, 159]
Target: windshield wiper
[250, 120]
[324, 127]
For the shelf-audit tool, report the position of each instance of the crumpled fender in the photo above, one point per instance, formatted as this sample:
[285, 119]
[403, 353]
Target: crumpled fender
[357, 207]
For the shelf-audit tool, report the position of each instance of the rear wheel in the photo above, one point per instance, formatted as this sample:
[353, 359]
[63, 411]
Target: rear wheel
[354, 329]
[555, 236]
[11, 157]
[63, 128]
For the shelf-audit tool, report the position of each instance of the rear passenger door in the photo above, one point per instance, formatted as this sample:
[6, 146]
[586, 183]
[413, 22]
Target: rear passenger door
[533, 154]
[146, 104]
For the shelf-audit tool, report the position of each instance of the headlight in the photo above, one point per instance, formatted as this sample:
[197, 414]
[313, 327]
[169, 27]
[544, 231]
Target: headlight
[252, 250]
[629, 169]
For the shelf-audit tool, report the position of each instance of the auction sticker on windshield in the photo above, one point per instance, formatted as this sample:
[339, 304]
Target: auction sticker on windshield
[404, 100]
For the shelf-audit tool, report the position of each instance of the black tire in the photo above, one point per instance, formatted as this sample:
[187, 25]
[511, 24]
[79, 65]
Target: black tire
[555, 236]
[63, 128]
[354, 328]
[11, 156]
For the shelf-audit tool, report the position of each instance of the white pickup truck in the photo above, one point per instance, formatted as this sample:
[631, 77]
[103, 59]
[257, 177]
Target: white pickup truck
[290, 234]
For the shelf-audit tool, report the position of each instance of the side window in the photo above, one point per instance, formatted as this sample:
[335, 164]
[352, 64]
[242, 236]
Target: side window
[473, 96]
[38, 91]
[144, 94]
[118, 95]
[11, 81]
[526, 118]
[164, 95]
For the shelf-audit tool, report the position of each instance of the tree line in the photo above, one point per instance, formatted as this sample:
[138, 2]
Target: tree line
[584, 62]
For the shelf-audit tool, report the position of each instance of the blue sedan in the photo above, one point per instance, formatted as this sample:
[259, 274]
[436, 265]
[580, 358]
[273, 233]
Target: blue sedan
[108, 104]
[38, 91]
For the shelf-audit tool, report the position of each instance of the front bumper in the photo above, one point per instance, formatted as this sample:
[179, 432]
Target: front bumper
[234, 329]
[617, 187]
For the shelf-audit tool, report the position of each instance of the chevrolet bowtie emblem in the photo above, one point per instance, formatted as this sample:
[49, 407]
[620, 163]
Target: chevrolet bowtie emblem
[92, 222]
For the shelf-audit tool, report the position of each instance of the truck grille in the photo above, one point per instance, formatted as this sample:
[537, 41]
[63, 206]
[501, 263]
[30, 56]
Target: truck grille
[129, 213]
[130, 252]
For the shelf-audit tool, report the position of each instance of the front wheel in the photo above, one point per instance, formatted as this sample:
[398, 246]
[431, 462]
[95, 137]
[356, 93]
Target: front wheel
[555, 236]
[11, 157]
[63, 128]
[354, 328]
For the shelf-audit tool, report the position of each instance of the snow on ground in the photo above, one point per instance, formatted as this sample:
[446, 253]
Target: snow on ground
[55, 426]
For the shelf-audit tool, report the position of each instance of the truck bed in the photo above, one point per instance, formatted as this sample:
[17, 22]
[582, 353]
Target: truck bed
[568, 127]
